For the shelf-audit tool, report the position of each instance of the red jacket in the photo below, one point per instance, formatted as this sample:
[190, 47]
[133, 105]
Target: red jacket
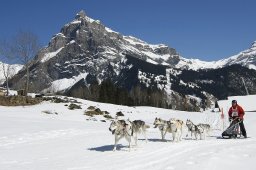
[238, 111]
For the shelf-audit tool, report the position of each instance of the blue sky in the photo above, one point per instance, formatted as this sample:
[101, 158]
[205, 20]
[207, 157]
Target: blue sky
[204, 29]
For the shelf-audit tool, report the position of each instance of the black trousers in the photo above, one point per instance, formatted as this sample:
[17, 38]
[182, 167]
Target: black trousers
[242, 128]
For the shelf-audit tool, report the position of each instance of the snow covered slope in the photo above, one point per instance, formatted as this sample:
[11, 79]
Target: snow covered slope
[245, 58]
[247, 102]
[30, 139]
[15, 68]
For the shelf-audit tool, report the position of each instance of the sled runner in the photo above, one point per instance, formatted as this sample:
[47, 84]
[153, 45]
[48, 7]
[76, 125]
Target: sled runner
[233, 131]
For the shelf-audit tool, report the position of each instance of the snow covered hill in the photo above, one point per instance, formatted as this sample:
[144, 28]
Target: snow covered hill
[69, 140]
[247, 102]
[15, 68]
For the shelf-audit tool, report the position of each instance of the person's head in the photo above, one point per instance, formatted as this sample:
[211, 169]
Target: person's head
[234, 102]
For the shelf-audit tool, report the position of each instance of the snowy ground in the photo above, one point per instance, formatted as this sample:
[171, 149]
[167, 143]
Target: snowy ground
[30, 139]
[247, 102]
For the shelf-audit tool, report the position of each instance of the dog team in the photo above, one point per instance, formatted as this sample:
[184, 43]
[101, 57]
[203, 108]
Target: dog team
[130, 129]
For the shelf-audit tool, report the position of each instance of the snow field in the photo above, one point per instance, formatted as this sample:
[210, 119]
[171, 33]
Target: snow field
[31, 139]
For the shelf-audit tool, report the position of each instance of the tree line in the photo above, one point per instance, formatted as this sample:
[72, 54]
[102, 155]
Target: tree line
[138, 95]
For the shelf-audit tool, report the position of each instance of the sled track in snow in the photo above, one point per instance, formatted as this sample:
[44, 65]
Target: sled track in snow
[161, 155]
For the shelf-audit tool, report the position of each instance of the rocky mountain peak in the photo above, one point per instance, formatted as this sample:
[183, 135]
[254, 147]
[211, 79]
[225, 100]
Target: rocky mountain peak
[254, 44]
[80, 14]
[85, 53]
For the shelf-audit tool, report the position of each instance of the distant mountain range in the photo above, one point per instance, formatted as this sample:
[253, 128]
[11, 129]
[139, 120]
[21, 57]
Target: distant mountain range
[245, 58]
[88, 60]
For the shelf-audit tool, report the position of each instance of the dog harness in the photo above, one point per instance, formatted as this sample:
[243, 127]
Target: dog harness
[191, 127]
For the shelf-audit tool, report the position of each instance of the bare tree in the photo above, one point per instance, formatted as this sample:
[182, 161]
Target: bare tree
[26, 45]
[8, 70]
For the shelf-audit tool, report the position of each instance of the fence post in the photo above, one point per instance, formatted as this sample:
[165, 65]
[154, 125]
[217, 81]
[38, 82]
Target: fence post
[222, 117]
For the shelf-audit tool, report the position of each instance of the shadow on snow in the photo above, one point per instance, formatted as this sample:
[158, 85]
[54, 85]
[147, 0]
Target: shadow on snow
[107, 148]
[155, 140]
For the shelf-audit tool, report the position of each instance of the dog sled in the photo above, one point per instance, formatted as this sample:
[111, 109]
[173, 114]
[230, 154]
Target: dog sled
[233, 131]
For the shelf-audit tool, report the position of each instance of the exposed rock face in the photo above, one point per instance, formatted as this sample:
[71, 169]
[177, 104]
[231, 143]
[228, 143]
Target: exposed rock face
[85, 52]
[87, 46]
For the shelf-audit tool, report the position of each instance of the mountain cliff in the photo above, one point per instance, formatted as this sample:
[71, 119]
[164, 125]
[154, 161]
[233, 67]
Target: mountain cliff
[89, 60]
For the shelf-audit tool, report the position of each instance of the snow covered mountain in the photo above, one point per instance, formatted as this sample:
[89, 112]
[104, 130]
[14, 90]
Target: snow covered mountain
[245, 58]
[14, 69]
[85, 46]
[89, 60]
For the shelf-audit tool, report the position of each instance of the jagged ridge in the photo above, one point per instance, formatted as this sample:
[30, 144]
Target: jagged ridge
[86, 52]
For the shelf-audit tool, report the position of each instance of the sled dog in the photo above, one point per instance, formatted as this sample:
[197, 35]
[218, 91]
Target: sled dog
[162, 126]
[194, 129]
[139, 126]
[175, 127]
[121, 129]
[206, 127]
